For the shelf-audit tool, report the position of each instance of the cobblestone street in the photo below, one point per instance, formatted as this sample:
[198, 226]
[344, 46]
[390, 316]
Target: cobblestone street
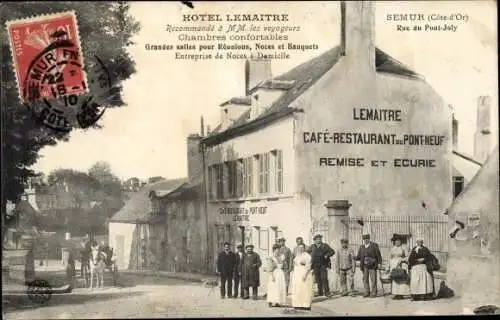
[149, 296]
[142, 296]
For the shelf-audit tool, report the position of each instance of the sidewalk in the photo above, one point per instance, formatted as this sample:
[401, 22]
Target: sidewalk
[385, 306]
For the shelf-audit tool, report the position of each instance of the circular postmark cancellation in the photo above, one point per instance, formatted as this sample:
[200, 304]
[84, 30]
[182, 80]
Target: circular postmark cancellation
[55, 87]
[39, 291]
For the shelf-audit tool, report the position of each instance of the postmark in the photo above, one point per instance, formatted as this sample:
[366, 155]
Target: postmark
[53, 82]
[65, 112]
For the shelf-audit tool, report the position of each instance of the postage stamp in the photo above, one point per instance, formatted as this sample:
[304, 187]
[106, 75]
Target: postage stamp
[47, 56]
[53, 81]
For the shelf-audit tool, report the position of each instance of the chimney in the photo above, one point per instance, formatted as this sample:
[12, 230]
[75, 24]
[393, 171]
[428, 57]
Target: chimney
[357, 35]
[202, 127]
[194, 157]
[454, 132]
[256, 71]
[208, 130]
[224, 118]
[255, 107]
[482, 136]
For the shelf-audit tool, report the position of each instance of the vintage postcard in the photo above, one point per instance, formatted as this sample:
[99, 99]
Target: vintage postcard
[249, 159]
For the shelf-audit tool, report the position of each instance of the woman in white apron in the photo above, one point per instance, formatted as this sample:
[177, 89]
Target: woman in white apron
[276, 287]
[302, 280]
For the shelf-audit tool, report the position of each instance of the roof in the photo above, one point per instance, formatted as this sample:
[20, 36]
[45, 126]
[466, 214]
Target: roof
[177, 192]
[464, 165]
[245, 101]
[138, 207]
[298, 80]
[466, 157]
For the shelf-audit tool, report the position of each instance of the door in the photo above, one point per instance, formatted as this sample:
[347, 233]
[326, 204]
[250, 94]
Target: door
[119, 249]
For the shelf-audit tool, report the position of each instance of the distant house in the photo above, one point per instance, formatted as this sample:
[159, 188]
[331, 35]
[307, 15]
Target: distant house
[23, 218]
[22, 223]
[130, 228]
[163, 224]
[178, 234]
[474, 261]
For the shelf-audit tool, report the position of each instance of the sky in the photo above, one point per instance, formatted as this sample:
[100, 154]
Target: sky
[166, 97]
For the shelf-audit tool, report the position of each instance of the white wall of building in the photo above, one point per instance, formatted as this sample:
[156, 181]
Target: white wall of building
[385, 190]
[125, 231]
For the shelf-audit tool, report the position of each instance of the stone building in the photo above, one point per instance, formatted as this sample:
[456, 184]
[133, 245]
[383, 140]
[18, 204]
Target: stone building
[352, 124]
[162, 226]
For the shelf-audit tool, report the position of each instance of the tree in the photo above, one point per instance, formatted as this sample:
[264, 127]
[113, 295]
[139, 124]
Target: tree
[105, 30]
[66, 200]
[101, 171]
[110, 184]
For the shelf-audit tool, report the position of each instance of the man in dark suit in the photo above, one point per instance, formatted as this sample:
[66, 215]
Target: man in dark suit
[237, 272]
[226, 263]
[287, 264]
[250, 276]
[320, 254]
[370, 260]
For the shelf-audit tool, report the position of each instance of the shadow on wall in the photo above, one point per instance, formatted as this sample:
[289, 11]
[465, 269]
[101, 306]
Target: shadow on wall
[134, 254]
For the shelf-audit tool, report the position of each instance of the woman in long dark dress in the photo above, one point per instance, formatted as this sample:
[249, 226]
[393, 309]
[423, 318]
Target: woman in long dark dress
[421, 279]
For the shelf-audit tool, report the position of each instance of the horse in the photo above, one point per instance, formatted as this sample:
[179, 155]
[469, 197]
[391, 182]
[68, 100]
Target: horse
[97, 266]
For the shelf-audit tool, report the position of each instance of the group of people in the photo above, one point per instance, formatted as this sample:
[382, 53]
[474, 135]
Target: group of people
[293, 272]
[412, 272]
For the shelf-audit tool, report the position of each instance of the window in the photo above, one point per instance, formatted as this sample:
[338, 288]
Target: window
[197, 209]
[264, 241]
[274, 235]
[458, 185]
[248, 236]
[184, 211]
[278, 168]
[239, 178]
[173, 210]
[210, 182]
[248, 177]
[263, 161]
[220, 181]
[229, 233]
[232, 179]
[280, 234]
[220, 236]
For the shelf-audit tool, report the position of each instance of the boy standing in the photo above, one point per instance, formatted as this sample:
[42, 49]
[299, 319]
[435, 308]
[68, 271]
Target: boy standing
[345, 268]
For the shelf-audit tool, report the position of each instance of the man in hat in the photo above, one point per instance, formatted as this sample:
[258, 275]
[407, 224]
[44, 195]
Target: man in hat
[237, 271]
[250, 273]
[345, 267]
[288, 261]
[226, 263]
[299, 241]
[370, 260]
[320, 256]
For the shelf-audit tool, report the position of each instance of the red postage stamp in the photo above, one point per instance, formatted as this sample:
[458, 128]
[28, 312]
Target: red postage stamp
[47, 57]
